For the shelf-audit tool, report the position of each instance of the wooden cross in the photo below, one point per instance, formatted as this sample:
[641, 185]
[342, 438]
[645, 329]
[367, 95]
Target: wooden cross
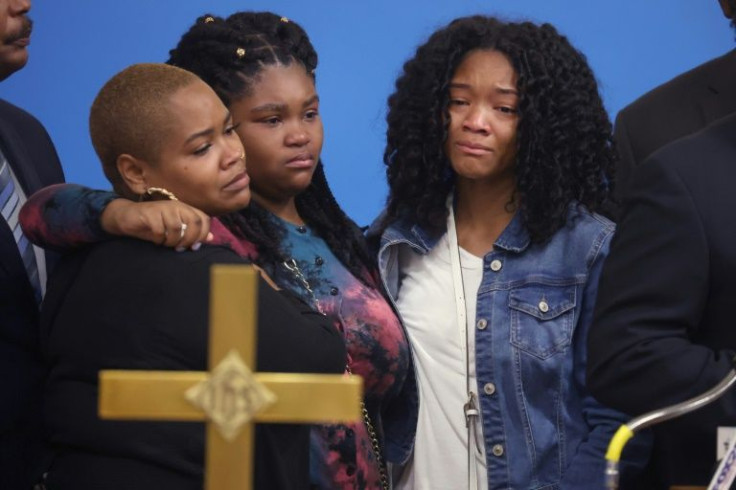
[226, 397]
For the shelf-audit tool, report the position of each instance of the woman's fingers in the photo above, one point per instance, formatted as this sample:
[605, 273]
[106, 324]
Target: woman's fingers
[168, 223]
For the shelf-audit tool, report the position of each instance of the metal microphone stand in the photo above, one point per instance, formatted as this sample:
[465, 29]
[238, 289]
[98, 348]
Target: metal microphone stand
[626, 431]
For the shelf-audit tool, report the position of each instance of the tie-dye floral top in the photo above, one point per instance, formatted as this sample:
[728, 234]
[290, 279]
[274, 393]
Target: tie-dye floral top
[342, 455]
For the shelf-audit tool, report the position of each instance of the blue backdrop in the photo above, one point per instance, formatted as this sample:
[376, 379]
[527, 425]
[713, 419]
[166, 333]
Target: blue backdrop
[633, 45]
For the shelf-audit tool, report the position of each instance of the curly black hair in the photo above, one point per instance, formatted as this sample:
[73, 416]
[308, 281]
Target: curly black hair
[732, 11]
[565, 150]
[228, 54]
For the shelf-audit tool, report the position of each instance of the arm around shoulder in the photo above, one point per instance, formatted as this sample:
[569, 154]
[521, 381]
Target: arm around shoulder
[64, 216]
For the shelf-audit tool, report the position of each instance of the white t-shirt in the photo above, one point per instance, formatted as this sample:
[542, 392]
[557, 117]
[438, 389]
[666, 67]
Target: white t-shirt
[426, 304]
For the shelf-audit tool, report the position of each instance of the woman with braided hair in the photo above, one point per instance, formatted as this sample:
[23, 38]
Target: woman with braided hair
[262, 66]
[499, 156]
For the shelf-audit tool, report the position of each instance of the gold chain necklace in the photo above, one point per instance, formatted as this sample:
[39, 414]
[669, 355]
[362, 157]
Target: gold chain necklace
[292, 266]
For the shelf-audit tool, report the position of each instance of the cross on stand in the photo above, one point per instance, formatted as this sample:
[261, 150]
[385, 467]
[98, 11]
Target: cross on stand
[229, 397]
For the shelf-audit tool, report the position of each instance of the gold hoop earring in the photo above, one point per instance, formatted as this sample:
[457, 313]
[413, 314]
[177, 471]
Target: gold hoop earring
[158, 194]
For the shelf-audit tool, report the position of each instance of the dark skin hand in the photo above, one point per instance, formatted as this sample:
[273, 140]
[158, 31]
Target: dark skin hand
[158, 222]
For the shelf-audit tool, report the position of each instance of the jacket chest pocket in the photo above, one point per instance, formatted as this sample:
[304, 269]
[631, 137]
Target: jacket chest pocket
[542, 318]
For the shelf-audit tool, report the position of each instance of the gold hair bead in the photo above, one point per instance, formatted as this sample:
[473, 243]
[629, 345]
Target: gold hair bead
[284, 20]
[240, 52]
[209, 19]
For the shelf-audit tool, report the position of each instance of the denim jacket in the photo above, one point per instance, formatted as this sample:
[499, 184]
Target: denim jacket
[542, 429]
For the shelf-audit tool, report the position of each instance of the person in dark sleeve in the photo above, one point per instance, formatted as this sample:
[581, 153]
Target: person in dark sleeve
[663, 327]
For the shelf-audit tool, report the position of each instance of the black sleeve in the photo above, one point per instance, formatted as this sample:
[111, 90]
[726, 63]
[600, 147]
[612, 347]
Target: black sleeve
[652, 297]
[627, 161]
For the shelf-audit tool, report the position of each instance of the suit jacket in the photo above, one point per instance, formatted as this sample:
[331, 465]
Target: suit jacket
[32, 156]
[680, 107]
[663, 329]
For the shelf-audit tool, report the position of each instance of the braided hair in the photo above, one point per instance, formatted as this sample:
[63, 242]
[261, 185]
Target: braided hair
[228, 54]
[565, 150]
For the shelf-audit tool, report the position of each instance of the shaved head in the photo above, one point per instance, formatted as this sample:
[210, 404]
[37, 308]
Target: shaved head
[130, 115]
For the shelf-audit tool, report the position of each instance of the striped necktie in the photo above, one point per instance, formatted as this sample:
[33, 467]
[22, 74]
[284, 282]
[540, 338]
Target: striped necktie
[10, 206]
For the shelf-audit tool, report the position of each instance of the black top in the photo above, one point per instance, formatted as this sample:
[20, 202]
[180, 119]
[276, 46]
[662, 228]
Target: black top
[663, 329]
[127, 304]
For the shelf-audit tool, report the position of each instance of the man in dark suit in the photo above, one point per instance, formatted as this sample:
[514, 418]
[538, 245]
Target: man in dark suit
[682, 106]
[664, 327]
[28, 161]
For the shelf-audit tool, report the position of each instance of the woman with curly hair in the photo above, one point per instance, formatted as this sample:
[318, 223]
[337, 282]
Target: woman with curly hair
[262, 66]
[499, 157]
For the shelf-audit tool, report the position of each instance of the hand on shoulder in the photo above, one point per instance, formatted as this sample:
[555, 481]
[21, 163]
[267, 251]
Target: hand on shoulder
[167, 223]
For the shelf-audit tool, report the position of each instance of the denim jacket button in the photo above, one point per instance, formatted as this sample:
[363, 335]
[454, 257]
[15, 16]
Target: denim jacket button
[489, 388]
[543, 306]
[497, 450]
[496, 265]
[482, 324]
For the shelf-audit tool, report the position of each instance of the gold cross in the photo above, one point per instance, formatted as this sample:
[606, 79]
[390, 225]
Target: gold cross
[229, 397]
